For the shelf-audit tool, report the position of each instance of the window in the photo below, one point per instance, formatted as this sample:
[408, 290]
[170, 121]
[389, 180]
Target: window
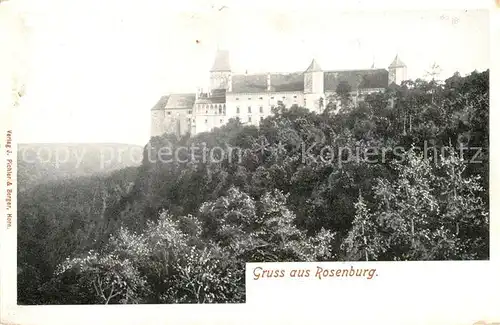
[249, 98]
[260, 97]
[261, 109]
[262, 118]
[190, 112]
[220, 110]
[249, 109]
[206, 111]
[272, 97]
[249, 119]
[237, 98]
[206, 121]
[169, 113]
[221, 121]
[284, 97]
[237, 110]
[237, 118]
[295, 96]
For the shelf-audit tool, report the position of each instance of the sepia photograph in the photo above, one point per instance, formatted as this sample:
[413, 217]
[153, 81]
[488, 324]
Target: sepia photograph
[169, 148]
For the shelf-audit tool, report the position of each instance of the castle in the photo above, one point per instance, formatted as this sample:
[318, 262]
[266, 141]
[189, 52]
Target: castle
[250, 97]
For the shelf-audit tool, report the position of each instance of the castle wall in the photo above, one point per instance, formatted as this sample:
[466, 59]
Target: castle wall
[314, 103]
[251, 108]
[175, 121]
[208, 116]
[157, 117]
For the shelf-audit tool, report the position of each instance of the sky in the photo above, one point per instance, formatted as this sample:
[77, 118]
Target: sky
[92, 70]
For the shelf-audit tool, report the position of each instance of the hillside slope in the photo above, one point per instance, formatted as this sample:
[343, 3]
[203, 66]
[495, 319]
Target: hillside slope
[181, 231]
[39, 163]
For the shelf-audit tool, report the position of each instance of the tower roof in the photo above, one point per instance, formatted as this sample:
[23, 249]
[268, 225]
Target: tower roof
[397, 63]
[221, 62]
[314, 66]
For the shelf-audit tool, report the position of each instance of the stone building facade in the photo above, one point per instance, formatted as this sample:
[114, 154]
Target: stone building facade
[251, 97]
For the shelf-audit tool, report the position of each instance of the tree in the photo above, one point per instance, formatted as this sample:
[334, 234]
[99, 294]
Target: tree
[422, 210]
[113, 280]
[364, 241]
[343, 90]
[261, 231]
[285, 242]
[162, 265]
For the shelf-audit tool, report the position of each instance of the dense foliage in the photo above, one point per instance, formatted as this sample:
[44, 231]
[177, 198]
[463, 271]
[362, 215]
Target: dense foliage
[398, 176]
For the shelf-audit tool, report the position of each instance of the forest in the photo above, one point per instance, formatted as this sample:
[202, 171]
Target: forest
[181, 232]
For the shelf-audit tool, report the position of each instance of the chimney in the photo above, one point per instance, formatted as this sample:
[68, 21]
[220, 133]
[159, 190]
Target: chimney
[268, 81]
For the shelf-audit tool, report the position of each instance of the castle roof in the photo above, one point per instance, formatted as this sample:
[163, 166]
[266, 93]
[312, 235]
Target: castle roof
[397, 63]
[175, 101]
[313, 67]
[280, 82]
[221, 62]
[218, 96]
[289, 82]
[357, 79]
[161, 103]
[249, 83]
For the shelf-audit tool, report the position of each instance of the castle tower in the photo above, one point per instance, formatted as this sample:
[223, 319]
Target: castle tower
[314, 87]
[220, 74]
[397, 71]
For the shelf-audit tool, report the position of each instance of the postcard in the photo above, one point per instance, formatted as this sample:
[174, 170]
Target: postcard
[275, 163]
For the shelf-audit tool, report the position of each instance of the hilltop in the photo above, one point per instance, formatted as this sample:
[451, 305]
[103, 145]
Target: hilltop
[39, 163]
